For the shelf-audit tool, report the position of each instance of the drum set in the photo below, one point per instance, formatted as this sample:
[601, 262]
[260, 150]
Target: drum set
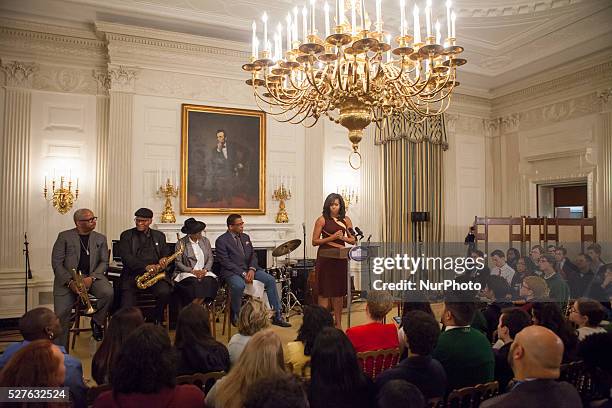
[284, 272]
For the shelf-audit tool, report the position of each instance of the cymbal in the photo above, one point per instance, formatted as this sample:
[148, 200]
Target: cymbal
[287, 247]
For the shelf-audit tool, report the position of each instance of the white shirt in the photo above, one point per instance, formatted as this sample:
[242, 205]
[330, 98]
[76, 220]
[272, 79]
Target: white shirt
[223, 150]
[199, 254]
[505, 272]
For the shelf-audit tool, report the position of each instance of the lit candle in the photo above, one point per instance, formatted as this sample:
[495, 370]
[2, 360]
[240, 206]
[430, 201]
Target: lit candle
[326, 10]
[389, 52]
[313, 28]
[279, 32]
[402, 18]
[438, 35]
[448, 17]
[275, 55]
[341, 11]
[305, 24]
[45, 180]
[417, 25]
[453, 32]
[379, 15]
[288, 19]
[254, 52]
[256, 46]
[294, 36]
[428, 18]
[363, 27]
[77, 186]
[353, 18]
[264, 18]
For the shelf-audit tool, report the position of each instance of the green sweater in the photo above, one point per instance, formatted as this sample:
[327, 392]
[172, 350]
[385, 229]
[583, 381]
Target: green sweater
[467, 357]
[558, 290]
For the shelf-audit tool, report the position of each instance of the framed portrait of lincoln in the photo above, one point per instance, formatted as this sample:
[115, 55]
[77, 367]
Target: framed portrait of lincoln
[223, 156]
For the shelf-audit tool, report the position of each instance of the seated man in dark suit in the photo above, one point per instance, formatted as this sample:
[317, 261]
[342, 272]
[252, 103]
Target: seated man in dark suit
[421, 332]
[511, 321]
[464, 352]
[535, 357]
[236, 256]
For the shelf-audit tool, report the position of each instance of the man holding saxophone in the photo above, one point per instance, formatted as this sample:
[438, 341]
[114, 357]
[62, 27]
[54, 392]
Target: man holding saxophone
[142, 248]
[83, 250]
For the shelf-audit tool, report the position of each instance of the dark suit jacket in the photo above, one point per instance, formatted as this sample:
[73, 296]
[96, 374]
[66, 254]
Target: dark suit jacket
[67, 252]
[503, 371]
[426, 373]
[537, 393]
[128, 246]
[229, 256]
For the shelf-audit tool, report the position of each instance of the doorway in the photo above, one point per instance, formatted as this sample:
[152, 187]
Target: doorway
[568, 200]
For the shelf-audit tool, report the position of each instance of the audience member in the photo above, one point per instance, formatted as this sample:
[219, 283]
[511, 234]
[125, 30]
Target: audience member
[262, 358]
[594, 251]
[39, 363]
[501, 268]
[580, 281]
[558, 289]
[600, 288]
[535, 357]
[551, 249]
[336, 379]
[144, 374]
[497, 290]
[41, 323]
[426, 373]
[594, 351]
[534, 255]
[479, 275]
[123, 322]
[375, 335]
[512, 257]
[549, 315]
[511, 321]
[533, 289]
[279, 392]
[587, 314]
[298, 352]
[197, 349]
[564, 267]
[464, 352]
[418, 301]
[524, 268]
[400, 393]
[253, 317]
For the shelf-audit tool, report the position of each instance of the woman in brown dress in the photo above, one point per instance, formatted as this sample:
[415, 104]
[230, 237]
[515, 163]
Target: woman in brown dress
[331, 230]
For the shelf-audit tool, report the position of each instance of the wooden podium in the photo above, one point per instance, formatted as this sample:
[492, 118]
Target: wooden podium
[341, 253]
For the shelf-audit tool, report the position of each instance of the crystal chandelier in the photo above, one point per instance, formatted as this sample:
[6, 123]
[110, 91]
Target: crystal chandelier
[354, 75]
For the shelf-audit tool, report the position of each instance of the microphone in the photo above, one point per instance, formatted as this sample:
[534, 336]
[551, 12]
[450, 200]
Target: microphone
[359, 232]
[369, 237]
[352, 231]
[304, 227]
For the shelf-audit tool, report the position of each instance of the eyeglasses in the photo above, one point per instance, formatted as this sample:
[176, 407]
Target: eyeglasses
[542, 260]
[142, 220]
[92, 219]
[238, 223]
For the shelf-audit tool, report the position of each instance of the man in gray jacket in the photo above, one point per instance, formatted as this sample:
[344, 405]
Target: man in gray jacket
[84, 250]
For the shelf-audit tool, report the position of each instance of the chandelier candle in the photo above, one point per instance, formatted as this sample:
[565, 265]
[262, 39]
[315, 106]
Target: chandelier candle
[266, 45]
[448, 18]
[326, 11]
[417, 25]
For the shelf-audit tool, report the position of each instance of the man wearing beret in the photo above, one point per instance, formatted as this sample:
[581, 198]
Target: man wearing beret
[140, 247]
[193, 276]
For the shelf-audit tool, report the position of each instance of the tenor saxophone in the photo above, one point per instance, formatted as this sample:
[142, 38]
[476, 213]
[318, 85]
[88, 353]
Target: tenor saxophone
[155, 273]
[78, 280]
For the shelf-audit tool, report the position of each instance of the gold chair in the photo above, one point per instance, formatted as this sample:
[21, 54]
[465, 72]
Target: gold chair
[381, 360]
[203, 381]
[471, 397]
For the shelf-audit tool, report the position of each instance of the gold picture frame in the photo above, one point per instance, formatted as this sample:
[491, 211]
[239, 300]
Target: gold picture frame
[223, 160]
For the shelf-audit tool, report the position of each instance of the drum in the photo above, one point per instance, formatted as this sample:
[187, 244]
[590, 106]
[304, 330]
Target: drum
[279, 273]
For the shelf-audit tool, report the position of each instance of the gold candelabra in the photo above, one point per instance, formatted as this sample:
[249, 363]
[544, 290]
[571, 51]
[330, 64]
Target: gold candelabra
[281, 194]
[168, 191]
[353, 75]
[349, 195]
[61, 197]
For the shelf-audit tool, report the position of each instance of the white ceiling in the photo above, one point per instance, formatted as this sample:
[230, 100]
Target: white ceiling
[505, 40]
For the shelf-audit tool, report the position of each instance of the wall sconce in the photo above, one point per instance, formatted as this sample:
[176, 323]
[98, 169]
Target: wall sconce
[349, 194]
[61, 195]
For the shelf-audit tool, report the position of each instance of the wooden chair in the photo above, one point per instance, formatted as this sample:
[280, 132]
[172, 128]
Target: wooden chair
[94, 392]
[381, 360]
[471, 397]
[146, 303]
[78, 311]
[203, 381]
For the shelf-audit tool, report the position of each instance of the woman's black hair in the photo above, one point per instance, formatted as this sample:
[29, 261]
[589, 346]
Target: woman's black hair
[549, 315]
[146, 363]
[329, 201]
[193, 327]
[315, 319]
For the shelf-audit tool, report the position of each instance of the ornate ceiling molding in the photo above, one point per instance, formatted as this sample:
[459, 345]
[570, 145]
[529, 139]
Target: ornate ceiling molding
[507, 8]
[19, 74]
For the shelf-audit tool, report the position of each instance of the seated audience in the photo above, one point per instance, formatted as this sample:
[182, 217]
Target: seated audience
[197, 349]
[535, 357]
[548, 315]
[144, 374]
[298, 352]
[426, 373]
[594, 251]
[512, 257]
[594, 351]
[500, 267]
[262, 358]
[253, 317]
[558, 289]
[601, 286]
[533, 289]
[523, 269]
[123, 322]
[41, 323]
[587, 314]
[580, 281]
[565, 267]
[478, 275]
[39, 363]
[280, 392]
[336, 379]
[375, 335]
[534, 257]
[496, 290]
[511, 322]
[418, 302]
[464, 352]
[400, 393]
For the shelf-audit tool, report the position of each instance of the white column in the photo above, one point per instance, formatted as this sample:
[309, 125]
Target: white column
[15, 164]
[604, 172]
[119, 211]
[370, 190]
[102, 125]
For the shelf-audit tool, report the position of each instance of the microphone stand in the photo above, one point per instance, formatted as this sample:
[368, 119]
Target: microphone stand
[304, 284]
[28, 271]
